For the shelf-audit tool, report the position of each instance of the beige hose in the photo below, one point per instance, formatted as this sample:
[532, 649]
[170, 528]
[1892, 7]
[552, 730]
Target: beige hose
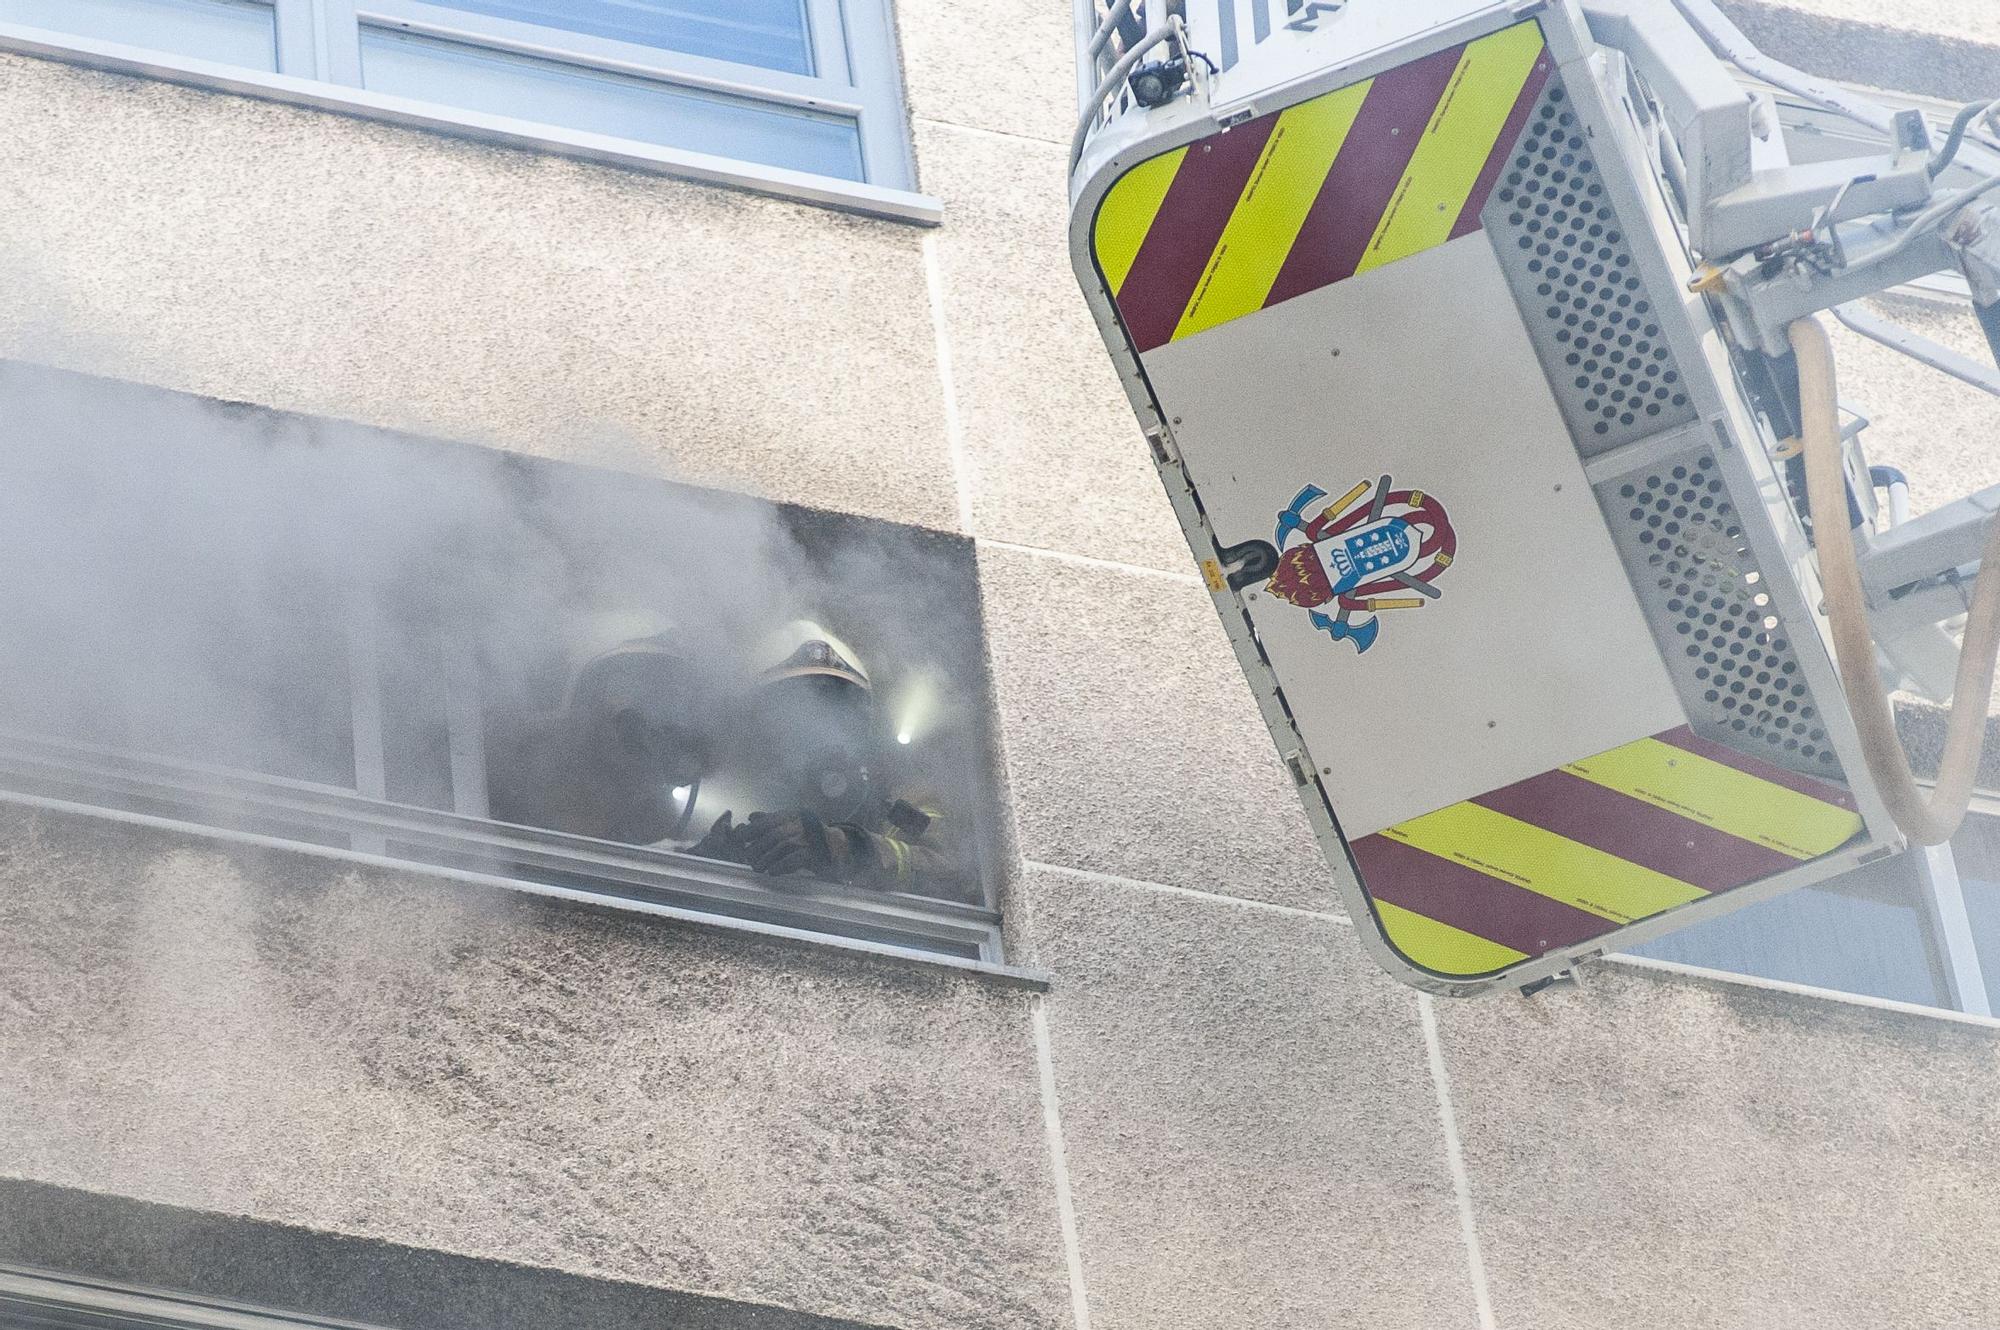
[1927, 821]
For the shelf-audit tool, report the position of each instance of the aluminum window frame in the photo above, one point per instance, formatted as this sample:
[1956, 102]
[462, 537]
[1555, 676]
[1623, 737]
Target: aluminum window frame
[362, 814]
[319, 64]
[247, 807]
[64, 1299]
[361, 823]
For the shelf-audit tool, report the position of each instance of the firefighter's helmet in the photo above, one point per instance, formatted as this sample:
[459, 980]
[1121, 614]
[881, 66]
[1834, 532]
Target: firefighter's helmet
[815, 718]
[635, 686]
[805, 649]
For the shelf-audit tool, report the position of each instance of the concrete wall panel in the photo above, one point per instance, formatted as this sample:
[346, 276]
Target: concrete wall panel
[1132, 744]
[1972, 20]
[1939, 48]
[401, 1058]
[316, 263]
[1655, 1150]
[1005, 67]
[1250, 1123]
[1938, 430]
[1053, 456]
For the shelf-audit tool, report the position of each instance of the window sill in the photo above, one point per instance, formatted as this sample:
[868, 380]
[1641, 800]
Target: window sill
[797, 186]
[330, 823]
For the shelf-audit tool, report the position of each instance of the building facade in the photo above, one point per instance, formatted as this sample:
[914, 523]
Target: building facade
[1151, 1080]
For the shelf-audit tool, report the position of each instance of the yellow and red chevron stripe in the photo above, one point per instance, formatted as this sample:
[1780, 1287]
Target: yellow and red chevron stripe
[1288, 203]
[1569, 856]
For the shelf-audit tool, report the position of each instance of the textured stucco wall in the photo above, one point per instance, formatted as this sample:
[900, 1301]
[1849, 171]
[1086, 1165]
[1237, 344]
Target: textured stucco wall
[1221, 1116]
[1658, 1151]
[443, 1066]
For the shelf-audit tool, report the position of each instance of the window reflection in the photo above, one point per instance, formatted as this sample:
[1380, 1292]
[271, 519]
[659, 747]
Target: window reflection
[1861, 933]
[769, 33]
[499, 83]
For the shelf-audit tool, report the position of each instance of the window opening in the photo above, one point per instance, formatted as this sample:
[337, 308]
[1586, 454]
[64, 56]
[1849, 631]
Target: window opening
[536, 671]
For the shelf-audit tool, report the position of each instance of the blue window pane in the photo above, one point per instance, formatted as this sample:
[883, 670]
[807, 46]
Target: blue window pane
[771, 33]
[632, 108]
[1868, 940]
[232, 32]
[1976, 848]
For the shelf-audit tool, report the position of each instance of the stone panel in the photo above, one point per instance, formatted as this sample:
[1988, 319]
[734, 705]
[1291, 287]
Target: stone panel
[1659, 1150]
[1937, 430]
[1053, 455]
[401, 1058]
[341, 267]
[1939, 48]
[1250, 1123]
[1005, 67]
[1132, 744]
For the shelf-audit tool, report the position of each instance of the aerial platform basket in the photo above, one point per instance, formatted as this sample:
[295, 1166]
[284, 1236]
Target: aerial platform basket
[1405, 314]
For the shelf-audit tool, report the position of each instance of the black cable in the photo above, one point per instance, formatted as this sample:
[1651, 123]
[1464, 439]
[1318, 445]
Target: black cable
[687, 811]
[1956, 139]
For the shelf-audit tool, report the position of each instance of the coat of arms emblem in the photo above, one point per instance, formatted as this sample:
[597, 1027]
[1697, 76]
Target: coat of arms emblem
[1349, 562]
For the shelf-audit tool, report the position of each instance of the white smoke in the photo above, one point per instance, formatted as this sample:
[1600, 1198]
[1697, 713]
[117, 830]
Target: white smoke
[186, 578]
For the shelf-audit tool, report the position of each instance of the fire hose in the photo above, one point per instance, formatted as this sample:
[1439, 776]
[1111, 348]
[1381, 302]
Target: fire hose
[1926, 820]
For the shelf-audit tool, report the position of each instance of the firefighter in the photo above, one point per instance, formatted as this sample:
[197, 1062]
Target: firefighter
[813, 739]
[623, 757]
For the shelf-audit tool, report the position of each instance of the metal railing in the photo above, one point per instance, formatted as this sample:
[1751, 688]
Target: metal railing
[329, 820]
[1115, 36]
[43, 1300]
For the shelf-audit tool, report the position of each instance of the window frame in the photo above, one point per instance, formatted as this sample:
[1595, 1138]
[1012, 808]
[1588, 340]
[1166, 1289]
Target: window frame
[366, 820]
[102, 782]
[317, 47]
[34, 1291]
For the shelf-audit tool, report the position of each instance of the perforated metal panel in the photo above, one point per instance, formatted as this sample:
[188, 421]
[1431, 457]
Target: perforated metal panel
[1730, 657]
[1567, 259]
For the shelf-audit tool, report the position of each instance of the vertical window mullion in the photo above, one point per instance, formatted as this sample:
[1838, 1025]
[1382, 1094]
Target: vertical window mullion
[298, 53]
[828, 32]
[364, 681]
[878, 86]
[465, 727]
[319, 39]
[1950, 926]
[340, 41]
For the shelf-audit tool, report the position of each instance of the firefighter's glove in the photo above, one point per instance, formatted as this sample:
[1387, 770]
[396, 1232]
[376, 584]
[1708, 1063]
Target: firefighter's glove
[783, 843]
[724, 840]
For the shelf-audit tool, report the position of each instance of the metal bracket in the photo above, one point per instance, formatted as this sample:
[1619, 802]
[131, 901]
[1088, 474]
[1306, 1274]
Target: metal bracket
[1249, 563]
[1309, 18]
[1572, 976]
[1934, 545]
[1919, 348]
[1763, 297]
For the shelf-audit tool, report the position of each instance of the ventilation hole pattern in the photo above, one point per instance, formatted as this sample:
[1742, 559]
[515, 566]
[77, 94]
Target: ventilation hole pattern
[1728, 652]
[1571, 267]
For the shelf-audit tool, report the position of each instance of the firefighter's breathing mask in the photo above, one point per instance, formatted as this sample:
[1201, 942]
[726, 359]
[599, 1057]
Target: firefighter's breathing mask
[818, 732]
